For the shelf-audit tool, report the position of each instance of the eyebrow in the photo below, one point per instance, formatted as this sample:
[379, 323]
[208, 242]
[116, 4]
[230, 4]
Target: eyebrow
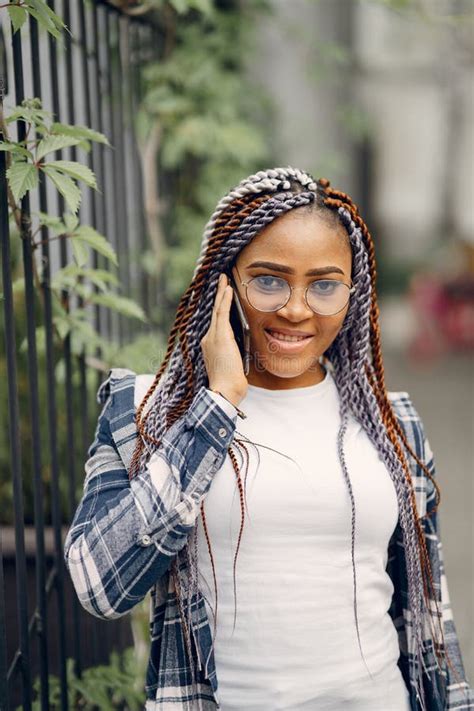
[288, 270]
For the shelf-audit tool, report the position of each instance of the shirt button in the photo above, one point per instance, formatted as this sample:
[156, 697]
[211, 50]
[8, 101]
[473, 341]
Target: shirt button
[222, 432]
[146, 540]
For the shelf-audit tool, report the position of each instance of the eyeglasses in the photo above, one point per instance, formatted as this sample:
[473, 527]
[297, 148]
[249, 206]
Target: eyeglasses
[325, 297]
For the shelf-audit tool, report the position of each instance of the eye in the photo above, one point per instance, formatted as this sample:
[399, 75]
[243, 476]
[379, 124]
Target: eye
[266, 282]
[324, 287]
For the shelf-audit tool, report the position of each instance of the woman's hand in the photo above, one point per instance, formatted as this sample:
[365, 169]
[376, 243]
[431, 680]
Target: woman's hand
[221, 353]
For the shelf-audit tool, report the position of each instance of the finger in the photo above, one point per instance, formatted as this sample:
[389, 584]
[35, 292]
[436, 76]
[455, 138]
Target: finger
[221, 289]
[224, 306]
[218, 299]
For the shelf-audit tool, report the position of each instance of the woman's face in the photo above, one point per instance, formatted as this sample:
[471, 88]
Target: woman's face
[296, 242]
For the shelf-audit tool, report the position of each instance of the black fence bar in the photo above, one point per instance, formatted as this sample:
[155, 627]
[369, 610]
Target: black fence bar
[135, 99]
[52, 419]
[91, 161]
[113, 49]
[21, 662]
[4, 703]
[81, 362]
[118, 106]
[87, 66]
[71, 95]
[110, 167]
[41, 612]
[4, 241]
[96, 88]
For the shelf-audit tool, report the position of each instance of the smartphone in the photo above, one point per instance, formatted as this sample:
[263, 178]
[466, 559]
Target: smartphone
[240, 325]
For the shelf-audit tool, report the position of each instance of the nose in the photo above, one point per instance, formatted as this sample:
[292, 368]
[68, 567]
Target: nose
[296, 309]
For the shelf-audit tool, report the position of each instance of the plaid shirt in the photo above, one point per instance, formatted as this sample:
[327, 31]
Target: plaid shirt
[125, 534]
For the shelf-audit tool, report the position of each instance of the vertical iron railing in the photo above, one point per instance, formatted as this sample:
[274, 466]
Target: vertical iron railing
[42, 624]
[20, 665]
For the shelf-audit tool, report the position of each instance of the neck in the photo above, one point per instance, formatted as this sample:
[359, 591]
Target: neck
[271, 381]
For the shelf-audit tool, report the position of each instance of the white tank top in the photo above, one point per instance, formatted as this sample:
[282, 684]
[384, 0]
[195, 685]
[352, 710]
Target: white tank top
[295, 645]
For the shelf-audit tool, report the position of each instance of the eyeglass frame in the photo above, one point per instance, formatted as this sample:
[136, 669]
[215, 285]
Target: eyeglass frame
[352, 288]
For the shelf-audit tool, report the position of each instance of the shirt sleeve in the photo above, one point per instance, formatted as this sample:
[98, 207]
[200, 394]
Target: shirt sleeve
[227, 406]
[125, 532]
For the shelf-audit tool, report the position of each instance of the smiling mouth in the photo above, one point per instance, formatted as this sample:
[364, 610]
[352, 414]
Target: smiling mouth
[286, 344]
[286, 337]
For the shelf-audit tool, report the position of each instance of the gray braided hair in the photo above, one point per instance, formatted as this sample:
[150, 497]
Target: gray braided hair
[349, 356]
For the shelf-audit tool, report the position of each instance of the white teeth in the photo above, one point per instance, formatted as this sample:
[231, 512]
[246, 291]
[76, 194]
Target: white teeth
[284, 337]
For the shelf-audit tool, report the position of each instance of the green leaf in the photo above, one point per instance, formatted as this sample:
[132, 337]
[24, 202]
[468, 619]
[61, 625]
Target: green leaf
[80, 251]
[98, 242]
[83, 290]
[71, 222]
[162, 101]
[16, 148]
[40, 19]
[121, 304]
[30, 111]
[206, 136]
[18, 285]
[102, 278]
[18, 16]
[66, 278]
[75, 170]
[66, 187]
[63, 326]
[204, 6]
[84, 336]
[63, 280]
[54, 223]
[182, 6]
[21, 178]
[81, 132]
[46, 18]
[58, 307]
[40, 335]
[53, 143]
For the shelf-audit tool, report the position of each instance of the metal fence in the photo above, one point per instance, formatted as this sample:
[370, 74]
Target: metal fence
[91, 77]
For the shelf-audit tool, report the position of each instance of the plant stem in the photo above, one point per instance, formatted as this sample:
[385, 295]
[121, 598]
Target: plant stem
[11, 200]
[50, 239]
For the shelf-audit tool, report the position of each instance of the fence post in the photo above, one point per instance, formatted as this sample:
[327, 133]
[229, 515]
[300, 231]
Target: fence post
[21, 661]
[4, 704]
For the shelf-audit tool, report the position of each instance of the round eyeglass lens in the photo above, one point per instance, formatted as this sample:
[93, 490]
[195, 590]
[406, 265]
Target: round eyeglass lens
[268, 293]
[328, 296]
[325, 296]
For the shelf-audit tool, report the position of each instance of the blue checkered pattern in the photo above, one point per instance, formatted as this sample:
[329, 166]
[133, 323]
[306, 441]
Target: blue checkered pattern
[125, 534]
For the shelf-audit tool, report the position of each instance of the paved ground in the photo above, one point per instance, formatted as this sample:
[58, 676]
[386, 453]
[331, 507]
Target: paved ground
[442, 392]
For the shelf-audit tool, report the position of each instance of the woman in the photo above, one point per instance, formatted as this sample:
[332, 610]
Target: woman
[279, 505]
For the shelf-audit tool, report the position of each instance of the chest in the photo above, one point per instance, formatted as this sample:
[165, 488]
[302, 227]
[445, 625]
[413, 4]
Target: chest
[295, 492]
